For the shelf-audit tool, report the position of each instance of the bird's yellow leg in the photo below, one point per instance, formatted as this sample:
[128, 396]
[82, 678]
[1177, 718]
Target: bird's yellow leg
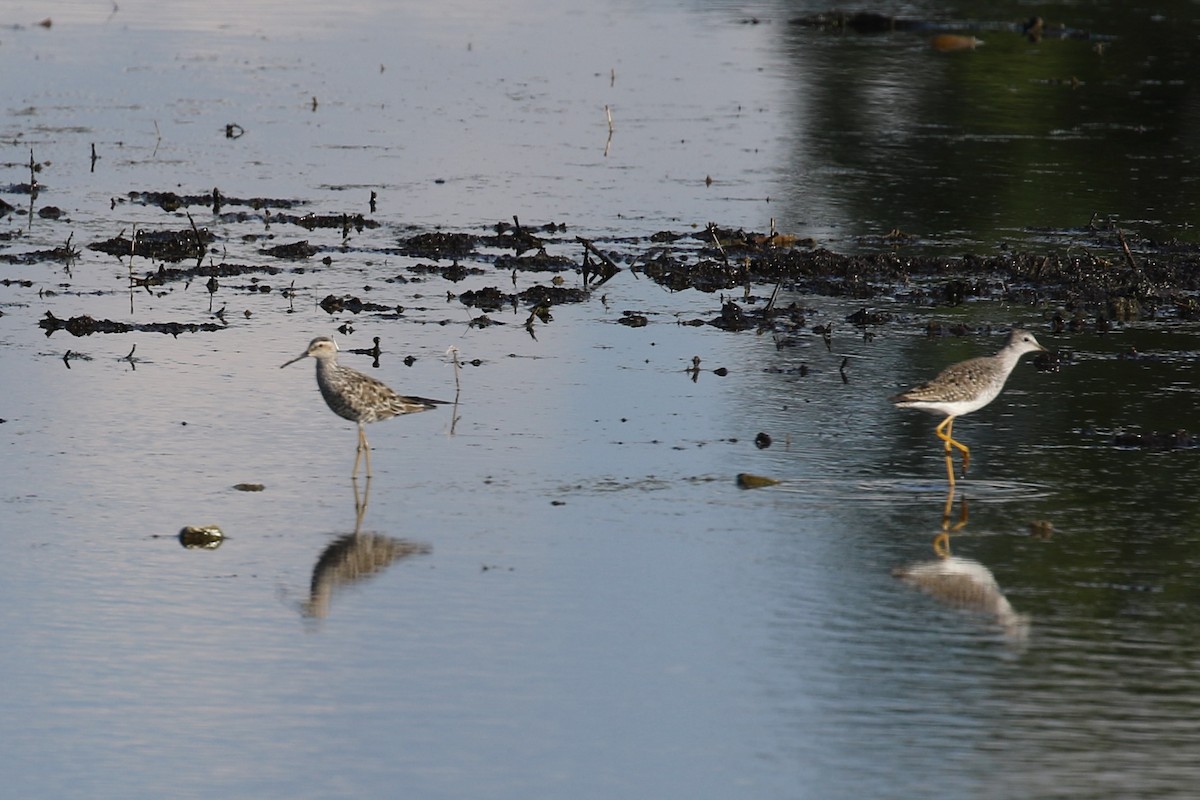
[943, 431]
[948, 422]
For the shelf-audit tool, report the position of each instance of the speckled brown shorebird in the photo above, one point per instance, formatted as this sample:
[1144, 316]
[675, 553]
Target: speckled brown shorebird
[355, 396]
[965, 387]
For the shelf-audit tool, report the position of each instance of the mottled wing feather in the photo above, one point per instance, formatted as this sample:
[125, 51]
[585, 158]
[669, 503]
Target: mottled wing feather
[404, 405]
[424, 401]
[953, 381]
[361, 398]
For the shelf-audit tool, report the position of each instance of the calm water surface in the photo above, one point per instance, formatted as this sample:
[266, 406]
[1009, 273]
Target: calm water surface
[557, 588]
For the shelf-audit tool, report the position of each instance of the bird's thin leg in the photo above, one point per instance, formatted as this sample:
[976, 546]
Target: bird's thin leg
[949, 453]
[358, 454]
[366, 449]
[943, 431]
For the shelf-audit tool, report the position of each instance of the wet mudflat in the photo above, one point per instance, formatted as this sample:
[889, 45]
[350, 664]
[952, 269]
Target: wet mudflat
[556, 586]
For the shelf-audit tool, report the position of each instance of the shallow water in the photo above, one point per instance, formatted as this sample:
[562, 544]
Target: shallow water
[582, 601]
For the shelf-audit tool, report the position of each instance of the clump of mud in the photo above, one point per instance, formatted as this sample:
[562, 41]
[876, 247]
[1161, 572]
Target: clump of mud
[163, 245]
[83, 325]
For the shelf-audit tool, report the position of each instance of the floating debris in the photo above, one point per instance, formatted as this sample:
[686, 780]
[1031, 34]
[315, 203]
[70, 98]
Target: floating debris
[71, 355]
[313, 221]
[58, 254]
[293, 250]
[483, 321]
[373, 352]
[950, 43]
[437, 245]
[211, 271]
[170, 201]
[552, 295]
[453, 272]
[865, 317]
[487, 299]
[540, 261]
[1041, 529]
[733, 319]
[518, 238]
[745, 480]
[204, 537]
[336, 305]
[607, 269]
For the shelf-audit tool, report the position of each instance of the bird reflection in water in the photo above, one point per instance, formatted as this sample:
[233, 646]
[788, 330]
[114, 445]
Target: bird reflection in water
[963, 583]
[355, 557]
[941, 542]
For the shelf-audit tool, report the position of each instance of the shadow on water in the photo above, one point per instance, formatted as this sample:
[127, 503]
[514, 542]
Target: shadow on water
[354, 557]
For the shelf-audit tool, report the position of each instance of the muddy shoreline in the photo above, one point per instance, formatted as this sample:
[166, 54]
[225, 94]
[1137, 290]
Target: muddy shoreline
[1098, 276]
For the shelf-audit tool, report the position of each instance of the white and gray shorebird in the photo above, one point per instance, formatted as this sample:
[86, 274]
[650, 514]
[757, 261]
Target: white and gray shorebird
[357, 397]
[965, 387]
